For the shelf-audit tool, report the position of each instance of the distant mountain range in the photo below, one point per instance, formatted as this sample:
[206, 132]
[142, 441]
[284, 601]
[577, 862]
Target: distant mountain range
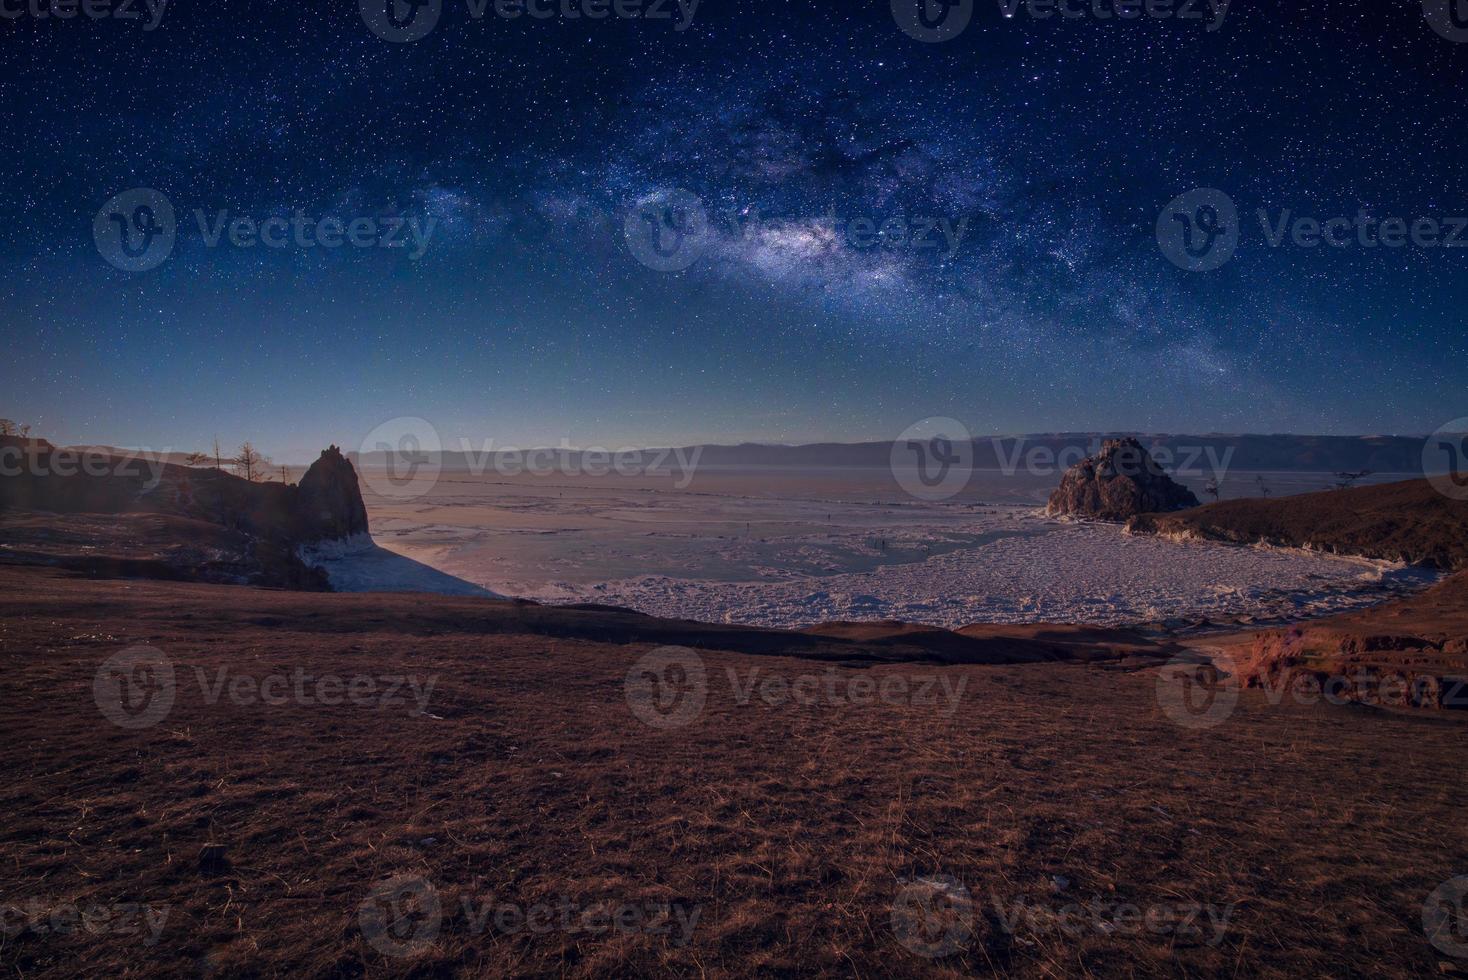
[1326, 454]
[1281, 453]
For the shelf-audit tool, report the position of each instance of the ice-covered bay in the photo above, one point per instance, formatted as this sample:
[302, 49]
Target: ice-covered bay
[1060, 573]
[791, 555]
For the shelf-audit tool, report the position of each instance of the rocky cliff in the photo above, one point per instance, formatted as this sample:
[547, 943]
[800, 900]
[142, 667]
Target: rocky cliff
[1118, 483]
[268, 524]
[329, 502]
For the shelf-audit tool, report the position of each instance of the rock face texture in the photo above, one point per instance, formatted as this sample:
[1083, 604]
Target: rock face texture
[1118, 483]
[329, 502]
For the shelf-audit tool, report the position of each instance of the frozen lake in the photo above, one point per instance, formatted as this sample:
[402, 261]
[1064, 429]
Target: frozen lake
[794, 547]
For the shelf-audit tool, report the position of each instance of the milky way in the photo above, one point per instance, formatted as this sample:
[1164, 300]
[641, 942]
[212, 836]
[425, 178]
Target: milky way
[894, 229]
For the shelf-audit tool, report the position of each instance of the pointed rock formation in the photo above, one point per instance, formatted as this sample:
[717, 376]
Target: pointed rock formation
[1118, 483]
[329, 502]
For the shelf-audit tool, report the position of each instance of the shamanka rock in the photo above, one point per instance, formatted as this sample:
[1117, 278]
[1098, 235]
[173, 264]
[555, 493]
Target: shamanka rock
[329, 502]
[1118, 483]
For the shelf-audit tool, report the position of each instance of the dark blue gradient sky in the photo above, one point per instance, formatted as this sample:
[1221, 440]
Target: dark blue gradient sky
[528, 319]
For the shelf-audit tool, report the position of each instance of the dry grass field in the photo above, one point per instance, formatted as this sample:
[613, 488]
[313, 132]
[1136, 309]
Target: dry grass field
[534, 800]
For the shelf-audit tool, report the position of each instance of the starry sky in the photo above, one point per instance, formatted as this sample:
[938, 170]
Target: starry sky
[529, 319]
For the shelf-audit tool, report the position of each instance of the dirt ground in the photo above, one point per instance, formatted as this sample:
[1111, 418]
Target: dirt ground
[382, 785]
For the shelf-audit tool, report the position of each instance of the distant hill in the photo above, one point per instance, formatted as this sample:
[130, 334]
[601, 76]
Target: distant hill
[1320, 454]
[1408, 521]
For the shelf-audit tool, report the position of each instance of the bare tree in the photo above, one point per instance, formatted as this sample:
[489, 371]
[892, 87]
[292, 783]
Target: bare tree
[196, 459]
[1264, 490]
[1347, 479]
[1211, 488]
[251, 463]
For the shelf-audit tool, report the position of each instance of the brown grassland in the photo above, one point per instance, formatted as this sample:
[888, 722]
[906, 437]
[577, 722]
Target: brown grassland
[792, 829]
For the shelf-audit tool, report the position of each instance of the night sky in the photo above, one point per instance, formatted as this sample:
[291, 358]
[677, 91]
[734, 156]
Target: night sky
[528, 318]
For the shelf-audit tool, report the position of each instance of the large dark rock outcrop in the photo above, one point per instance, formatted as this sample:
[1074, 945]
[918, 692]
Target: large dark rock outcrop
[329, 503]
[1118, 483]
